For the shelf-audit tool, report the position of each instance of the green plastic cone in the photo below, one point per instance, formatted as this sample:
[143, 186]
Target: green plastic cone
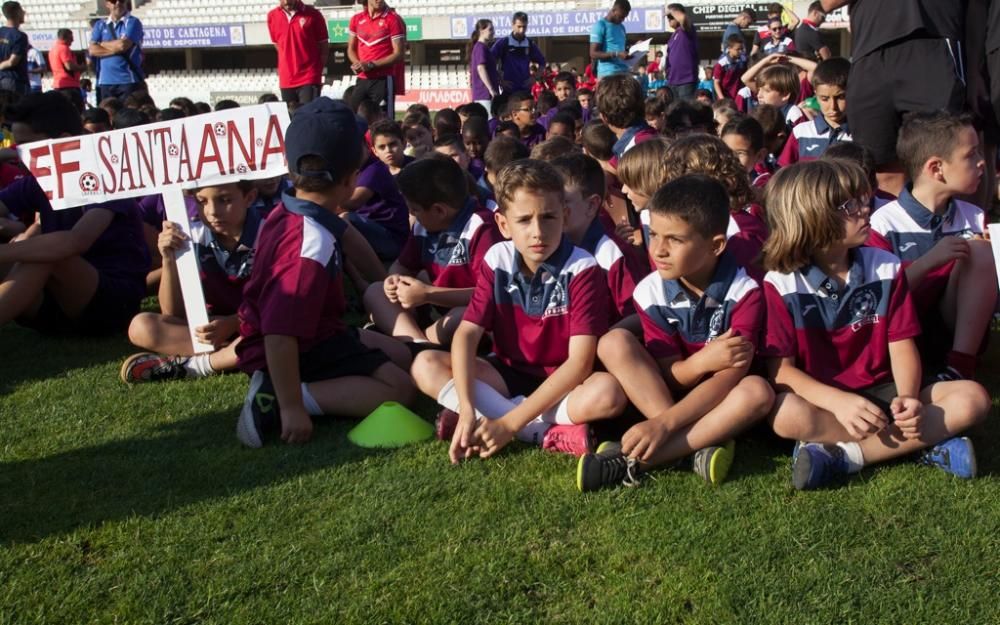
[390, 425]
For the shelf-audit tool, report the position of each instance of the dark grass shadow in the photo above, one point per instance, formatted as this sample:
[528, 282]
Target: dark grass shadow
[30, 355]
[177, 465]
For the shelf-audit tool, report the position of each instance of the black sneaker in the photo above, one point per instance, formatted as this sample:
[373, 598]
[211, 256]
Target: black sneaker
[149, 367]
[607, 467]
[260, 419]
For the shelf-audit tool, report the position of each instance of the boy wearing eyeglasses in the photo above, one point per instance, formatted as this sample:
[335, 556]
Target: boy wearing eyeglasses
[522, 112]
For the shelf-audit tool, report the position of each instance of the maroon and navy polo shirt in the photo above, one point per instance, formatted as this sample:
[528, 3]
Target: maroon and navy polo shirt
[809, 140]
[452, 256]
[619, 267]
[676, 325]
[223, 272]
[633, 136]
[532, 319]
[909, 230]
[840, 336]
[746, 100]
[297, 285]
[297, 37]
[729, 72]
[375, 36]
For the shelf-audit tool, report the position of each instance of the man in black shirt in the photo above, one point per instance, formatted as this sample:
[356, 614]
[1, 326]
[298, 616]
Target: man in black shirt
[807, 39]
[906, 56]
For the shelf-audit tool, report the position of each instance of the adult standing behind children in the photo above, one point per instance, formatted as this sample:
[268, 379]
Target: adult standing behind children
[376, 47]
[682, 53]
[914, 45]
[116, 47]
[746, 17]
[483, 76]
[607, 41]
[299, 34]
[13, 50]
[65, 68]
[516, 53]
[807, 39]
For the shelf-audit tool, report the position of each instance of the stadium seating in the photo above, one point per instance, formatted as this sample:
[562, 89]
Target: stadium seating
[54, 14]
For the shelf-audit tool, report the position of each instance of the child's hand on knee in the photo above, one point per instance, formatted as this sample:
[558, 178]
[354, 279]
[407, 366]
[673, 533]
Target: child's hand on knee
[948, 249]
[494, 434]
[860, 417]
[390, 286]
[411, 292]
[907, 412]
[644, 439]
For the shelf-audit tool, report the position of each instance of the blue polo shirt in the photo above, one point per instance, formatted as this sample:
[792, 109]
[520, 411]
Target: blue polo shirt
[115, 70]
[611, 38]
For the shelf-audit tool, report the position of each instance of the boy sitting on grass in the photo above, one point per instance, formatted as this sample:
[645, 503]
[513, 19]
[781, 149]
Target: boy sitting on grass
[545, 301]
[224, 238]
[940, 238]
[701, 316]
[448, 242]
[303, 359]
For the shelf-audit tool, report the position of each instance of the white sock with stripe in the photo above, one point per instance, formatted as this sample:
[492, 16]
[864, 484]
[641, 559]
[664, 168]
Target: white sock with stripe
[491, 404]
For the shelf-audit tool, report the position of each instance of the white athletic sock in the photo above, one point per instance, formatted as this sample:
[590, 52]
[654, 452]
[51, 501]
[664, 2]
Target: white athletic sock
[312, 406]
[493, 405]
[558, 414]
[852, 454]
[489, 402]
[199, 366]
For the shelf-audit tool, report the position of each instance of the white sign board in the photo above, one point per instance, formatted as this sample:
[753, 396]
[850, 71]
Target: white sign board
[215, 148]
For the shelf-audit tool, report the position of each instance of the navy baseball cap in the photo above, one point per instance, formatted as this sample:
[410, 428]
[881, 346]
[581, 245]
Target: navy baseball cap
[326, 129]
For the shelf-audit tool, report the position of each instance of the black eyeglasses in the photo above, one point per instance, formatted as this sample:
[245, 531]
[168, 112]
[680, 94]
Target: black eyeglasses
[854, 206]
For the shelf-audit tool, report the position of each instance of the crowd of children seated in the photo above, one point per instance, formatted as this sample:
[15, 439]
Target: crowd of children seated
[679, 271]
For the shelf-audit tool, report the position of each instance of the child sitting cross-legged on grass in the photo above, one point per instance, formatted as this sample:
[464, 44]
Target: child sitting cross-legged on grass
[305, 361]
[545, 302]
[701, 316]
[224, 238]
[840, 338]
[448, 241]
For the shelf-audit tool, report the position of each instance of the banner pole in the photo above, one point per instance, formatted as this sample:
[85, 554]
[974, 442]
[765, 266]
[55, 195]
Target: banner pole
[187, 268]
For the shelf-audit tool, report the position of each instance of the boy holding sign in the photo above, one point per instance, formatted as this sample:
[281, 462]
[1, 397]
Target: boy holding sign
[81, 269]
[305, 361]
[224, 237]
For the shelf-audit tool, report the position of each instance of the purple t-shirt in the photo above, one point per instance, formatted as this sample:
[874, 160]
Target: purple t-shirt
[154, 213]
[682, 57]
[386, 207]
[119, 252]
[482, 55]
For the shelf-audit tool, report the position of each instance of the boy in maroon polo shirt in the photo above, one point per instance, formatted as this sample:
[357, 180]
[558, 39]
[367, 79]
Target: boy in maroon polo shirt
[701, 317]
[840, 335]
[729, 69]
[224, 236]
[448, 241]
[303, 358]
[545, 302]
[591, 228]
[75, 270]
[939, 238]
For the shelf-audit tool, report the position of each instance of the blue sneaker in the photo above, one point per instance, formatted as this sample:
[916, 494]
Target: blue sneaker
[817, 464]
[955, 456]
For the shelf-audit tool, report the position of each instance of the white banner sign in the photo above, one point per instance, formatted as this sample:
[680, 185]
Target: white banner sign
[215, 148]
[211, 149]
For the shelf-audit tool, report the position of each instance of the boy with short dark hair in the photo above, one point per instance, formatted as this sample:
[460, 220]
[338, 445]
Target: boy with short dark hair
[562, 124]
[545, 303]
[224, 237]
[305, 361]
[388, 145]
[521, 108]
[500, 152]
[745, 137]
[729, 69]
[586, 190]
[448, 241]
[453, 147]
[564, 86]
[702, 316]
[377, 209]
[809, 140]
[939, 238]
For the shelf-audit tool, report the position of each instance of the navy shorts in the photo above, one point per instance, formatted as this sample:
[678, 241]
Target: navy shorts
[115, 302]
[340, 356]
[882, 394]
[517, 382]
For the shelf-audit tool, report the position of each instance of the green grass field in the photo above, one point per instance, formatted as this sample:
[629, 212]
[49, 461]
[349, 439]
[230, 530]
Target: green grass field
[138, 505]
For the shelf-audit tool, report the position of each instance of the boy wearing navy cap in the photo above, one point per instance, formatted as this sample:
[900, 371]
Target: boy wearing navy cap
[303, 358]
